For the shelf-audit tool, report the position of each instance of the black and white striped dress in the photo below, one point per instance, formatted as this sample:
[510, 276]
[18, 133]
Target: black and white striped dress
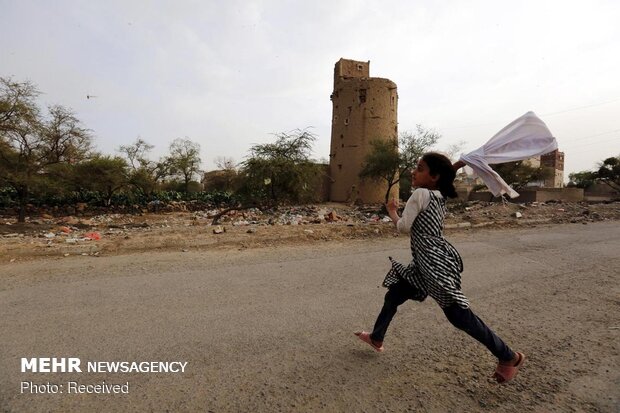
[436, 266]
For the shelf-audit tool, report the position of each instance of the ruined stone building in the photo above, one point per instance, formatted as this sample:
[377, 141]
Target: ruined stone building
[554, 160]
[364, 109]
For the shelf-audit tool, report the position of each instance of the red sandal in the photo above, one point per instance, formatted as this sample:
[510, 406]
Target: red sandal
[365, 337]
[504, 373]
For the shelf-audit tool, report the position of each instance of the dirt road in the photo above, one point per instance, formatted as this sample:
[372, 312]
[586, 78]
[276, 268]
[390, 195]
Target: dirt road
[271, 329]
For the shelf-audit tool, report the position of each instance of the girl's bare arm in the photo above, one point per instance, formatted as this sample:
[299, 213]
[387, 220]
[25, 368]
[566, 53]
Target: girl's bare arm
[458, 165]
[392, 208]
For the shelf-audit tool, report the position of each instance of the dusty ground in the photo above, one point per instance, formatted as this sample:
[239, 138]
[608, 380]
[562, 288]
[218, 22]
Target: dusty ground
[269, 329]
[49, 236]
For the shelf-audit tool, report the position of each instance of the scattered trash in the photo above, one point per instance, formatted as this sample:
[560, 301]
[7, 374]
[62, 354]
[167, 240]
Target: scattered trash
[95, 236]
[331, 217]
[183, 217]
[184, 250]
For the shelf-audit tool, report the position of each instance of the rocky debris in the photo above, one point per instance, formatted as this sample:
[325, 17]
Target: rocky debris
[458, 225]
[474, 212]
[332, 216]
[79, 235]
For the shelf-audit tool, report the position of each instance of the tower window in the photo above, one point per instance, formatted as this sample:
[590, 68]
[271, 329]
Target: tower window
[340, 167]
[362, 96]
[346, 121]
[360, 67]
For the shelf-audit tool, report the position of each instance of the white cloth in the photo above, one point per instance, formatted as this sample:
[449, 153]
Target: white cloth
[524, 138]
[417, 202]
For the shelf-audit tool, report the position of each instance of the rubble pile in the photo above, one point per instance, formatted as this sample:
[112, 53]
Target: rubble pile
[86, 235]
[295, 215]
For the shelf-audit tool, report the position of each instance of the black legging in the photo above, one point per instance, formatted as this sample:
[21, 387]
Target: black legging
[461, 318]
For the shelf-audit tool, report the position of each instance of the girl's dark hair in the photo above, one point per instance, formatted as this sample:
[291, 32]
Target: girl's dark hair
[439, 164]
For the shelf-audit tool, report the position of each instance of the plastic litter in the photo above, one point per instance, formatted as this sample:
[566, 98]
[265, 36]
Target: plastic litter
[94, 236]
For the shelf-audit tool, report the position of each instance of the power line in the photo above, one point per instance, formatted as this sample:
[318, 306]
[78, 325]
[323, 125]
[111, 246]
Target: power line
[580, 107]
[593, 136]
[589, 143]
[545, 114]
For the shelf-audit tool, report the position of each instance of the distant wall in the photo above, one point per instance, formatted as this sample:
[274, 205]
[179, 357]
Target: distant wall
[485, 196]
[537, 195]
[463, 193]
[322, 191]
[601, 192]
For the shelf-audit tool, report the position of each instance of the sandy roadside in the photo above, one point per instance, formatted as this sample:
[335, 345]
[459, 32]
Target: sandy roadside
[193, 231]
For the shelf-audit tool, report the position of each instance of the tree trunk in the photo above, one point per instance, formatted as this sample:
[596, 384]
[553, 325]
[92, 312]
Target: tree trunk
[387, 194]
[22, 194]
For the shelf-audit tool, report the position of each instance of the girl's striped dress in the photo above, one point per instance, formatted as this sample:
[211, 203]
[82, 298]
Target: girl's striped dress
[436, 266]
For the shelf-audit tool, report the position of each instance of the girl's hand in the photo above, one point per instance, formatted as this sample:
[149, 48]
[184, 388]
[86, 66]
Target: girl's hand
[458, 165]
[392, 205]
[392, 209]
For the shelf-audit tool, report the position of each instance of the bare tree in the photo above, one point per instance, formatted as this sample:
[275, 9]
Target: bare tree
[63, 138]
[225, 163]
[184, 160]
[281, 170]
[136, 153]
[389, 160]
[31, 145]
[455, 149]
[145, 174]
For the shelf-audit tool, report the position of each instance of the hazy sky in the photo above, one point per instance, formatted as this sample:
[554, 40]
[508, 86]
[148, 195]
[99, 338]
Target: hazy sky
[228, 74]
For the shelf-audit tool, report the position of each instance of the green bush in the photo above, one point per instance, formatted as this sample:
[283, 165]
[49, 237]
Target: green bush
[8, 198]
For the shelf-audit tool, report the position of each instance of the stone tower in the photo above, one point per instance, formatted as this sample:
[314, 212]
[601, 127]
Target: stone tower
[554, 160]
[364, 109]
